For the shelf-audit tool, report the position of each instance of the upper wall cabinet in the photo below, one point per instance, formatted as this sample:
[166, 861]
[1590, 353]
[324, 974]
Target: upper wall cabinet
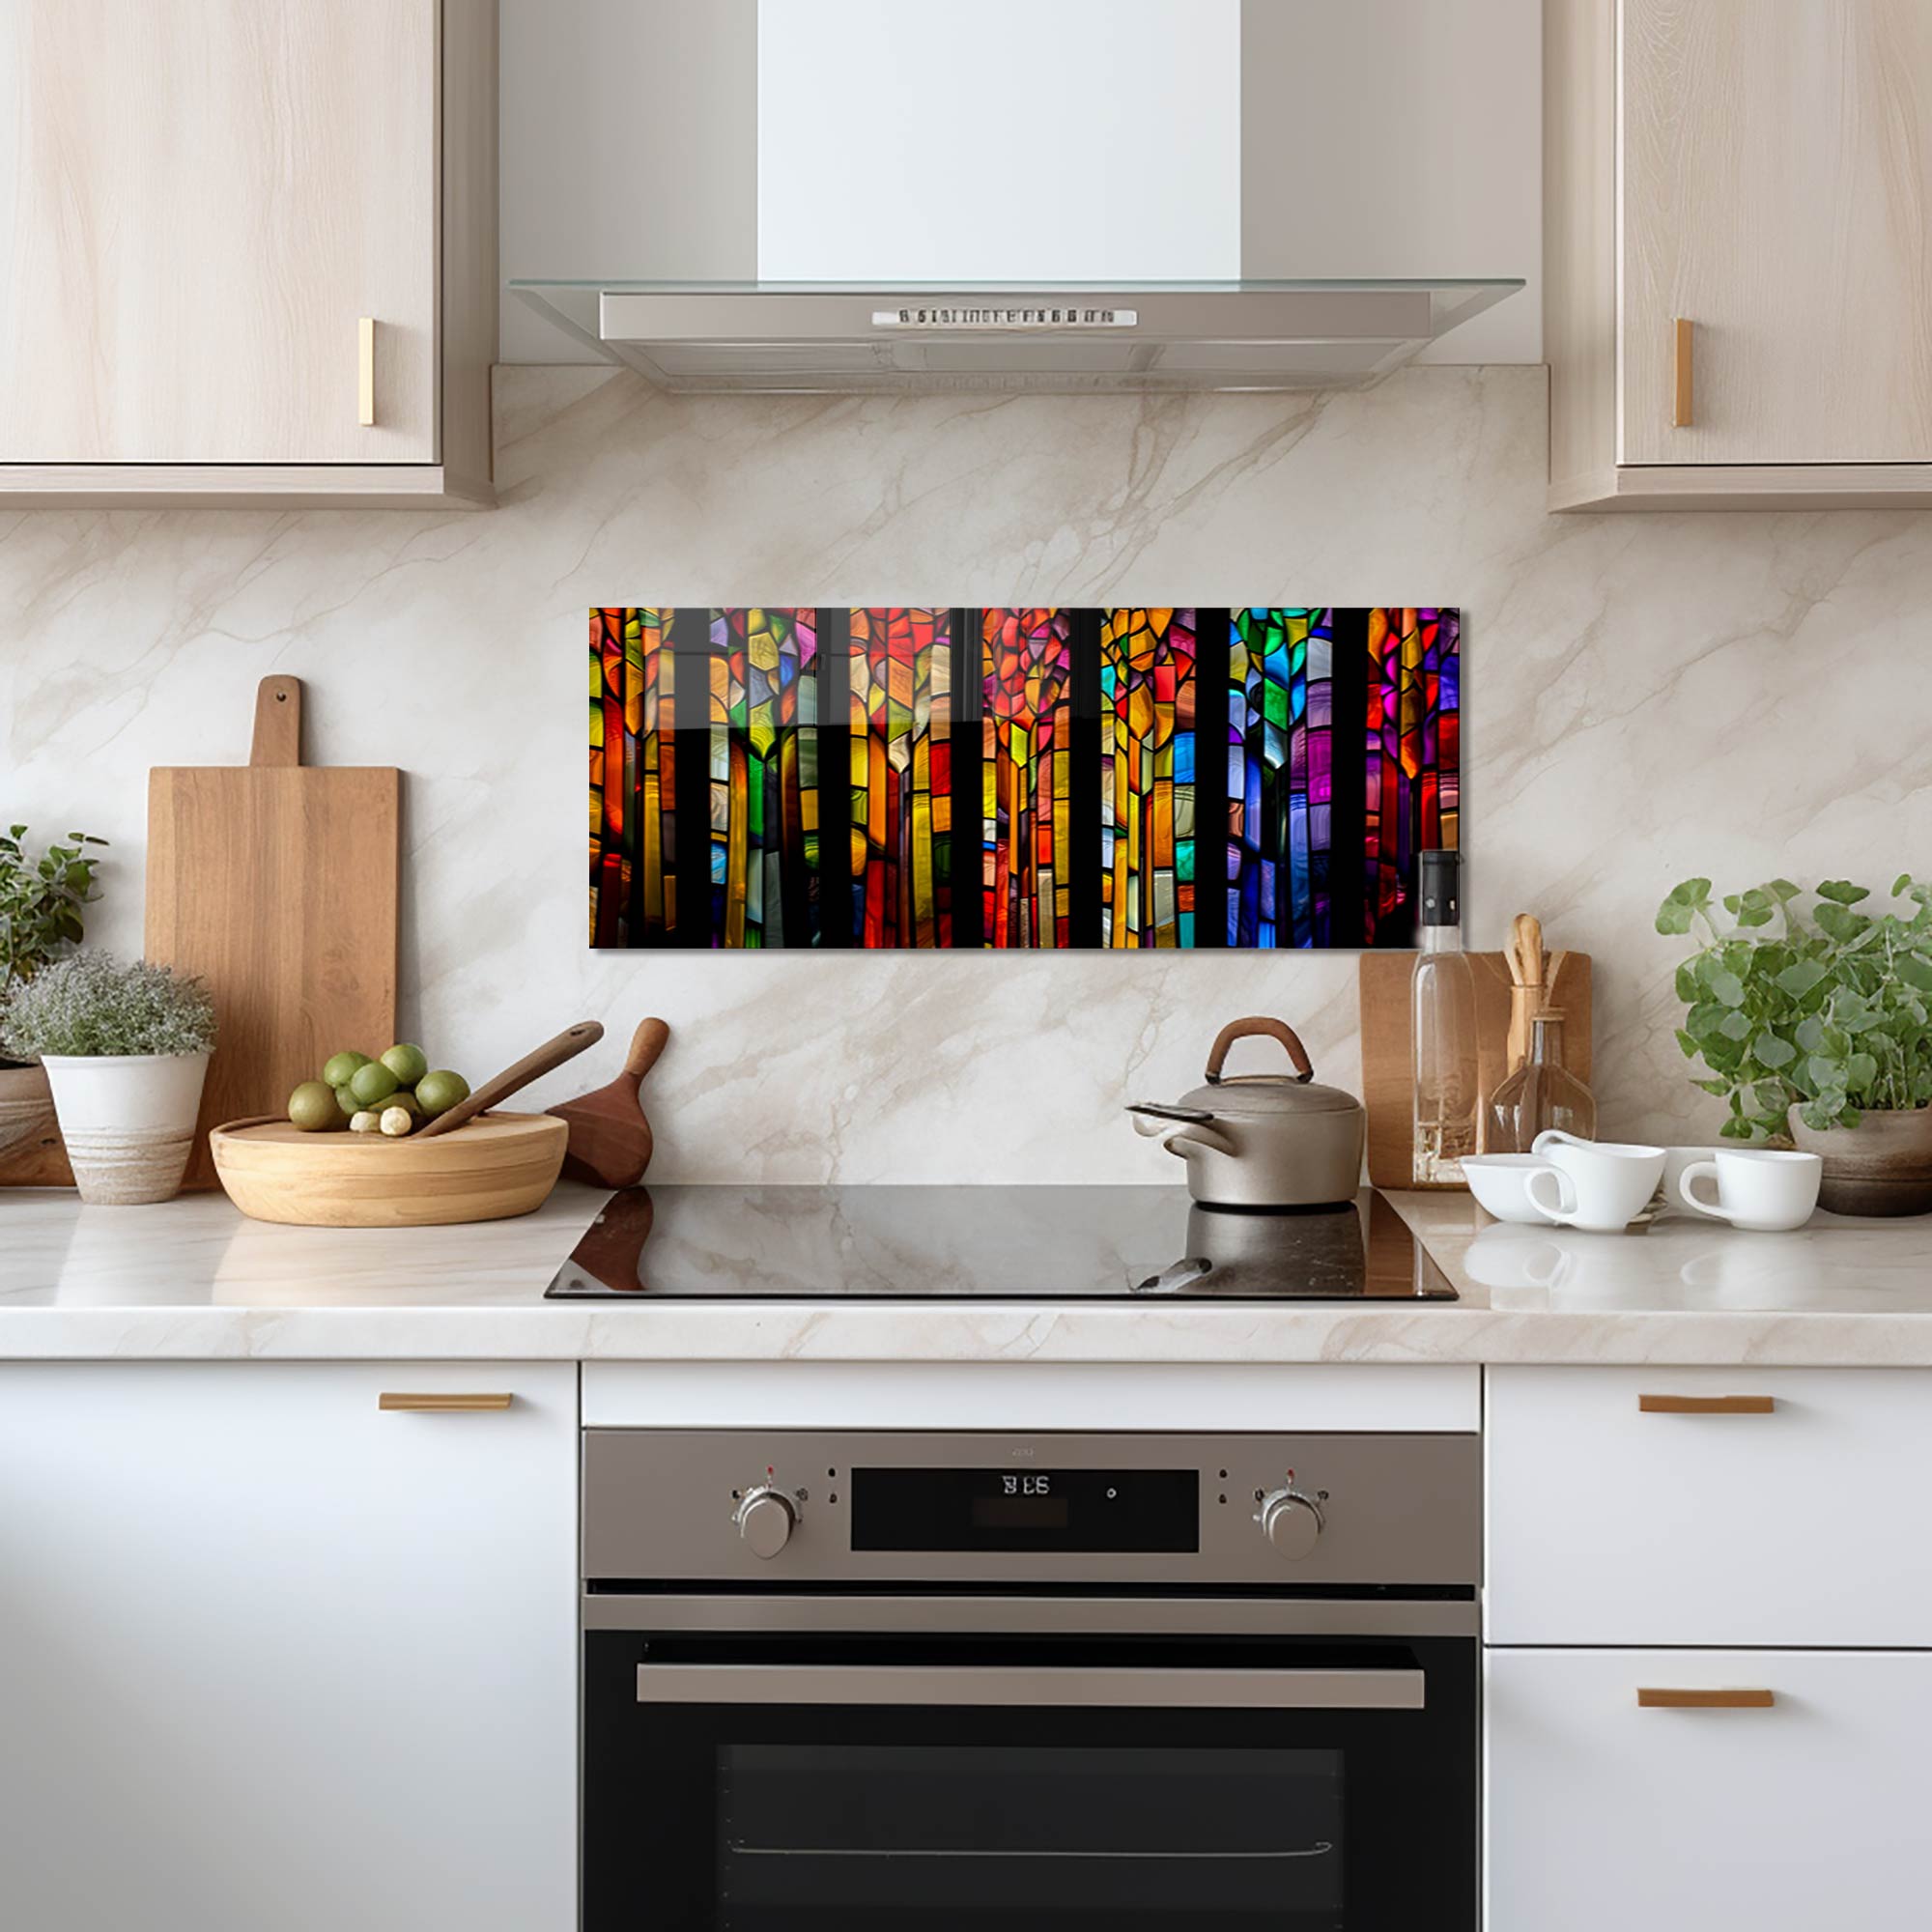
[1738, 200]
[249, 252]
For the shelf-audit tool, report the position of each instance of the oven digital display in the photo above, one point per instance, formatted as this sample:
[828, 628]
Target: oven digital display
[1131, 1512]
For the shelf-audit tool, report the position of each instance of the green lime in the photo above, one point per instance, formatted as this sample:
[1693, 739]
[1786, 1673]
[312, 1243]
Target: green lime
[372, 1082]
[341, 1067]
[439, 1092]
[403, 1098]
[345, 1098]
[408, 1064]
[313, 1108]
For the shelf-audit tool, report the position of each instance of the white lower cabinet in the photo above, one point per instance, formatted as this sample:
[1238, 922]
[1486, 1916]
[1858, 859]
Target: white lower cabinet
[1606, 1816]
[272, 1656]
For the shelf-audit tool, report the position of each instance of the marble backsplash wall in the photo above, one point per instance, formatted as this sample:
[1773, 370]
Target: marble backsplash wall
[1646, 697]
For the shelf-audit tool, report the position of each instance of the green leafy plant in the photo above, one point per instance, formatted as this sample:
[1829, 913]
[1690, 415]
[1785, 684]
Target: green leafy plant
[40, 901]
[1829, 1012]
[90, 1005]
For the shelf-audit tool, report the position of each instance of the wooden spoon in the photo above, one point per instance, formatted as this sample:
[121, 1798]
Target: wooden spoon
[1526, 964]
[609, 1137]
[567, 1045]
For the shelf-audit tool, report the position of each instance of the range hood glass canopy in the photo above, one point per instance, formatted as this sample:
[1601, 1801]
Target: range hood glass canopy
[841, 338]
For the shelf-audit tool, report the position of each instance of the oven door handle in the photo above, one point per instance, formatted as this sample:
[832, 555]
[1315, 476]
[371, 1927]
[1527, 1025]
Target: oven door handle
[1046, 1685]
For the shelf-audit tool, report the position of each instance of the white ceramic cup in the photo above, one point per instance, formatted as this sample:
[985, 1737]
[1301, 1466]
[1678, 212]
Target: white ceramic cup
[1602, 1185]
[1675, 1161]
[1497, 1179]
[1764, 1189]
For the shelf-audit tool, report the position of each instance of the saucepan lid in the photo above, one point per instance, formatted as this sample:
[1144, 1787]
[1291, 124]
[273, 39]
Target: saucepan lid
[1257, 1094]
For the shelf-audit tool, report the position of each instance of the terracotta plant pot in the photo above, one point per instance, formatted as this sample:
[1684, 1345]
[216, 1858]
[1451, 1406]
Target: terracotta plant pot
[1882, 1166]
[128, 1121]
[26, 1105]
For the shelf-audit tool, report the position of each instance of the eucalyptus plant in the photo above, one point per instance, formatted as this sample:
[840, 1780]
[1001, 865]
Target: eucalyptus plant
[40, 901]
[90, 1005]
[1831, 1012]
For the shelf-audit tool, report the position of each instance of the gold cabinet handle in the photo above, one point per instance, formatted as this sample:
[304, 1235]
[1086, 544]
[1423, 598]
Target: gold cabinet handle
[366, 371]
[1706, 1404]
[1652, 1699]
[441, 1404]
[1681, 398]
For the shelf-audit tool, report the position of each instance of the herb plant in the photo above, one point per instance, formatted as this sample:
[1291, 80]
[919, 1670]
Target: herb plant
[1831, 1014]
[90, 1005]
[40, 901]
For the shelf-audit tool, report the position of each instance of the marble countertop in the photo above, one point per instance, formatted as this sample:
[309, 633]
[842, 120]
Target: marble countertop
[195, 1280]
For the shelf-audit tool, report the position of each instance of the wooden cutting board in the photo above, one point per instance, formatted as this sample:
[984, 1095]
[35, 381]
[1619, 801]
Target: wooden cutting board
[276, 881]
[1388, 1043]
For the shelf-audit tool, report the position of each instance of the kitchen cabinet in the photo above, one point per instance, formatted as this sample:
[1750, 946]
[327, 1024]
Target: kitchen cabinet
[250, 251]
[1737, 196]
[1708, 1506]
[1603, 1814]
[273, 1655]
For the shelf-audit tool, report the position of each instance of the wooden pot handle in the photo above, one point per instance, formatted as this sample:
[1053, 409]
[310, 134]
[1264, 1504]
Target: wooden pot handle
[646, 1043]
[567, 1045]
[1217, 1054]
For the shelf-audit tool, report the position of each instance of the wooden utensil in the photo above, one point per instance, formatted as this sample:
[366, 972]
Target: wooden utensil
[550, 1055]
[1526, 963]
[609, 1137]
[505, 1165]
[275, 882]
[1388, 1043]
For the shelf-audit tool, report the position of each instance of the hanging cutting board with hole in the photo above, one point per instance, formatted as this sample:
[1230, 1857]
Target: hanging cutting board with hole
[276, 881]
[1388, 1047]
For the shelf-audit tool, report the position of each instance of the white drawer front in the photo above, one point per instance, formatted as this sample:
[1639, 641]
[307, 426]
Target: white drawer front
[1607, 1524]
[1603, 1816]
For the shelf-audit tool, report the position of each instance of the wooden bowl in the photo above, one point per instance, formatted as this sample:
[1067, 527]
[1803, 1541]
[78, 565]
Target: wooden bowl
[494, 1166]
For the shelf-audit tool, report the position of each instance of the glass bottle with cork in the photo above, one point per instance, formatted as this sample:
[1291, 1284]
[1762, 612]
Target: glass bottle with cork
[1447, 1078]
[1541, 1092]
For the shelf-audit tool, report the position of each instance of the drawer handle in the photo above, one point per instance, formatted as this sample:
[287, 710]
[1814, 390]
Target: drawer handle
[1706, 1405]
[441, 1404]
[1683, 415]
[366, 371]
[1651, 1699]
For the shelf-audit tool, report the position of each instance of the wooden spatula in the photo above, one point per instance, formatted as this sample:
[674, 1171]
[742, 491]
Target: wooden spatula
[567, 1045]
[609, 1138]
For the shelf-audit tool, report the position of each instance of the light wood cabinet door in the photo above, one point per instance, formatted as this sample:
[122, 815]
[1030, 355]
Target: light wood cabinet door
[273, 1659]
[200, 203]
[1777, 193]
[1605, 1816]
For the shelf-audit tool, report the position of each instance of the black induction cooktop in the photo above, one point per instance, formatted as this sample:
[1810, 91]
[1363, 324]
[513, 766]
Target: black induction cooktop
[988, 1243]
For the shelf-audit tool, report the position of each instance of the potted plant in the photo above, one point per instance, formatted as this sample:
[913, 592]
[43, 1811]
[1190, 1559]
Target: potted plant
[1818, 1029]
[126, 1049]
[40, 901]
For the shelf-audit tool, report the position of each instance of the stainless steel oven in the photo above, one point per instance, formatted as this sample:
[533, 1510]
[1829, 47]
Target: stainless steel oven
[867, 1681]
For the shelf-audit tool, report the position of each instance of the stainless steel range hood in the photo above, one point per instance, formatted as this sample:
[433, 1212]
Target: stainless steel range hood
[831, 338]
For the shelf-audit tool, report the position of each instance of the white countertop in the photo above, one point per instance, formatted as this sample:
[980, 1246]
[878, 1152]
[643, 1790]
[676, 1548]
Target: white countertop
[195, 1280]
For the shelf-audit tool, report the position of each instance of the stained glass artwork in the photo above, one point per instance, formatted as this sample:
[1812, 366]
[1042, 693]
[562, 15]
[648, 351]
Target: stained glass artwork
[1024, 776]
[1026, 666]
[901, 732]
[1147, 777]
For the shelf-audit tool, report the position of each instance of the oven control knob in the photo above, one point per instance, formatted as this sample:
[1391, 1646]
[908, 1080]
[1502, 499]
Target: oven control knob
[765, 1520]
[1291, 1521]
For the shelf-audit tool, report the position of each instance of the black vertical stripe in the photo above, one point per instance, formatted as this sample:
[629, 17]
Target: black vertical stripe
[1348, 819]
[967, 741]
[691, 718]
[1083, 781]
[835, 776]
[1213, 635]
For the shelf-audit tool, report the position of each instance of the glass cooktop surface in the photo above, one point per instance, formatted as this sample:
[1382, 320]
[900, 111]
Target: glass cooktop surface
[988, 1243]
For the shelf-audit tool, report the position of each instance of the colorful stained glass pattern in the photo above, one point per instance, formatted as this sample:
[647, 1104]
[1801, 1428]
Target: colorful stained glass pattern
[900, 675]
[1280, 779]
[1411, 751]
[1147, 777]
[1027, 776]
[1026, 669]
[632, 778]
[764, 776]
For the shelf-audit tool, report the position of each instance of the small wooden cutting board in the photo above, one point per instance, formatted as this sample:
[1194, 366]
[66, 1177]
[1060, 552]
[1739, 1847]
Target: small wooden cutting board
[276, 883]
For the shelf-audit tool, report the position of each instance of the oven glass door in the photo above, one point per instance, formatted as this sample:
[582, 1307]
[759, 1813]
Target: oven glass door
[843, 1784]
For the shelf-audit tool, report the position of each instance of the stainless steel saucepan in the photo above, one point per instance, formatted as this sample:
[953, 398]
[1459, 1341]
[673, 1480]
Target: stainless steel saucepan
[1262, 1139]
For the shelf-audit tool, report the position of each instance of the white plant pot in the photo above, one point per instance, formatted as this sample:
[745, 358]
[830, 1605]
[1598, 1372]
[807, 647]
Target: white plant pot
[127, 1120]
